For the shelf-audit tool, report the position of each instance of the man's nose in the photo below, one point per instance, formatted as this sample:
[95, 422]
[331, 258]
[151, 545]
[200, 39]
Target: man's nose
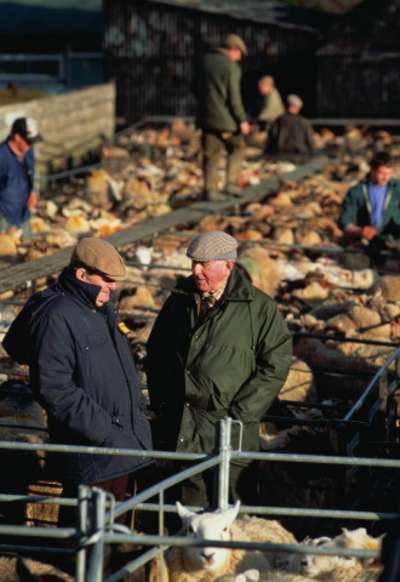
[112, 285]
[196, 268]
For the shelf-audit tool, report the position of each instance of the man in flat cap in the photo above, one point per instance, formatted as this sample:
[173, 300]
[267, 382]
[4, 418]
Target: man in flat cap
[221, 116]
[291, 136]
[82, 370]
[218, 348]
[17, 176]
[272, 106]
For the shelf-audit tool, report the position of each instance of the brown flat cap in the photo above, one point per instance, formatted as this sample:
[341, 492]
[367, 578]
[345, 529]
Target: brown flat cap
[99, 255]
[234, 41]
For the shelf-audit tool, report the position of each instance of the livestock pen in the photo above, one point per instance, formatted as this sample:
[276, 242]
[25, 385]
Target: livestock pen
[91, 535]
[97, 510]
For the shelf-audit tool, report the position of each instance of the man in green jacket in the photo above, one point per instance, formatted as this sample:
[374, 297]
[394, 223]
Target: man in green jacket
[218, 348]
[221, 115]
[371, 209]
[272, 102]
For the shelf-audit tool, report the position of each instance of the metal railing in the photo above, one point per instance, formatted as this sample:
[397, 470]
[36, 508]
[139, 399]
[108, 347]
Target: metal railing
[97, 510]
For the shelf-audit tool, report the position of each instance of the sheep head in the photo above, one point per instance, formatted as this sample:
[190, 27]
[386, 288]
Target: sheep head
[314, 565]
[207, 526]
[359, 539]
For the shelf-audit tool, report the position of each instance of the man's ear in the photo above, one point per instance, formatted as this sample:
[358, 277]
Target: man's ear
[230, 265]
[80, 274]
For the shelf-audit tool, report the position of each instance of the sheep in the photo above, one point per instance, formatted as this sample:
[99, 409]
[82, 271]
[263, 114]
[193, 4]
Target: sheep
[337, 568]
[191, 564]
[327, 568]
[19, 569]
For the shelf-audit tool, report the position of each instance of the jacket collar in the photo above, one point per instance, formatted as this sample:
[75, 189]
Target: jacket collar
[84, 292]
[239, 287]
[365, 182]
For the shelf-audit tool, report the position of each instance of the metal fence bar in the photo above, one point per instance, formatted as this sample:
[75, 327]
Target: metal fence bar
[106, 451]
[80, 567]
[37, 549]
[373, 384]
[61, 533]
[150, 540]
[286, 511]
[169, 482]
[315, 459]
[97, 505]
[45, 499]
[134, 564]
[224, 467]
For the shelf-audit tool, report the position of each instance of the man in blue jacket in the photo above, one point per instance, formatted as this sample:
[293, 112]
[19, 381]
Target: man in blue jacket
[371, 208]
[17, 175]
[82, 371]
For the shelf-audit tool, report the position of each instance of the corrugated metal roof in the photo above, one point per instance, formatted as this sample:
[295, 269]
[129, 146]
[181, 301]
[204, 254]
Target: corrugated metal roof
[273, 12]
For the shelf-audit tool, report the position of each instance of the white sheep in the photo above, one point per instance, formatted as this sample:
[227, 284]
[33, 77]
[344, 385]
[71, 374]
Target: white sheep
[327, 568]
[203, 564]
[337, 568]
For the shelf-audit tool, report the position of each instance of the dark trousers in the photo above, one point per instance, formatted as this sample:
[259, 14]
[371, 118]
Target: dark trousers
[202, 490]
[215, 145]
[118, 487]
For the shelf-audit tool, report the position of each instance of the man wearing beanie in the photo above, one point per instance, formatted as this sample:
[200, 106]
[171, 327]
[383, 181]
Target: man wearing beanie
[218, 348]
[221, 116]
[82, 371]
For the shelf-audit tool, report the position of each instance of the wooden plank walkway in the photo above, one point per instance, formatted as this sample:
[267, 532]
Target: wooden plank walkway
[17, 276]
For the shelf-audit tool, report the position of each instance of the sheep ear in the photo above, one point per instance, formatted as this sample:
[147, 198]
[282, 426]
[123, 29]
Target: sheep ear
[184, 513]
[231, 514]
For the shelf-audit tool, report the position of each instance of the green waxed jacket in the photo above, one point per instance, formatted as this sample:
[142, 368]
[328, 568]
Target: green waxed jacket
[356, 208]
[234, 363]
[217, 90]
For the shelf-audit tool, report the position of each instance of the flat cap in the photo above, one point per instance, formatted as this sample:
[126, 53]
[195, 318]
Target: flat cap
[100, 255]
[234, 41]
[294, 100]
[212, 246]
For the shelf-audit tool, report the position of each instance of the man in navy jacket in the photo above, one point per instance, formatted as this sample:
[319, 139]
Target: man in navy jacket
[17, 175]
[82, 370]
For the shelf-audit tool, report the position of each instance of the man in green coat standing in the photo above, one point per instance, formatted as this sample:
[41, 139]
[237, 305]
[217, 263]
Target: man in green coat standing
[371, 208]
[218, 348]
[221, 115]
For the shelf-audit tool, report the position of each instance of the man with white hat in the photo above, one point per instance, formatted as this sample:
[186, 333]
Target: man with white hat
[291, 136]
[17, 175]
[218, 348]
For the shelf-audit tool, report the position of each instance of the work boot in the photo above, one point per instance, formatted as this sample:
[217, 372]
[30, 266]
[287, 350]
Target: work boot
[214, 196]
[233, 190]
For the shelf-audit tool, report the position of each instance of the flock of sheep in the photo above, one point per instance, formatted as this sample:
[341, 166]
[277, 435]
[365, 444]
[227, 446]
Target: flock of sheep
[207, 564]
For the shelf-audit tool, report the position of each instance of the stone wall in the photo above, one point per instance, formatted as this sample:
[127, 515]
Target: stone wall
[71, 124]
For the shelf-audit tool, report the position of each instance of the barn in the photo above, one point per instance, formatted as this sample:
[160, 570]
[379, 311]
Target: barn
[358, 66]
[151, 48]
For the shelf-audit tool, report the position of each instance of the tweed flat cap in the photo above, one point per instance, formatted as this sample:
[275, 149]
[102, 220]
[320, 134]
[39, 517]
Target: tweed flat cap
[212, 246]
[100, 255]
[234, 41]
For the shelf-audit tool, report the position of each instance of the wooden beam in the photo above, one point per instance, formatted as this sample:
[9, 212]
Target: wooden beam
[14, 277]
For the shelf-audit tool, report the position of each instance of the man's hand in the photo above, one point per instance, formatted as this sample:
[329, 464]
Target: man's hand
[369, 232]
[244, 127]
[353, 230]
[32, 200]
